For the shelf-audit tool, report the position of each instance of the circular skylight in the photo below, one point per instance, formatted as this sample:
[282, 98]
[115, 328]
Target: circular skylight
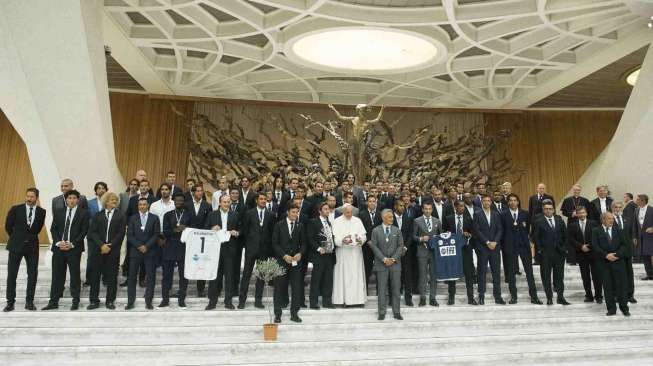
[364, 50]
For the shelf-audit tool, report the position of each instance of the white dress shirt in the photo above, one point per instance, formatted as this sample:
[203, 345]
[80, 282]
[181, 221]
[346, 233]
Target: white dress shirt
[72, 212]
[161, 207]
[641, 215]
[603, 203]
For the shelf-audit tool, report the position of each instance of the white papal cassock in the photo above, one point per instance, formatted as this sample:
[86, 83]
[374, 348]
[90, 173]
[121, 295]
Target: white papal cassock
[349, 272]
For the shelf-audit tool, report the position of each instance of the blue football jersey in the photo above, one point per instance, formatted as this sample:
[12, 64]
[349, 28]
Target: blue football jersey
[448, 255]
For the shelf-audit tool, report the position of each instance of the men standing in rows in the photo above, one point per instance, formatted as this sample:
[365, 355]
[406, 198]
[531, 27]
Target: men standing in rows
[223, 190]
[611, 246]
[224, 219]
[289, 249]
[105, 237]
[425, 227]
[321, 250]
[488, 232]
[625, 224]
[60, 201]
[95, 204]
[643, 230]
[388, 246]
[199, 210]
[579, 237]
[23, 225]
[462, 224]
[569, 207]
[257, 225]
[174, 251]
[68, 229]
[515, 244]
[602, 203]
[371, 218]
[171, 179]
[143, 232]
[405, 224]
[550, 237]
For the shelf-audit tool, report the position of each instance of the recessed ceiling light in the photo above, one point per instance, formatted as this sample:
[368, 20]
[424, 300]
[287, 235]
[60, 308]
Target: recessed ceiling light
[631, 77]
[364, 50]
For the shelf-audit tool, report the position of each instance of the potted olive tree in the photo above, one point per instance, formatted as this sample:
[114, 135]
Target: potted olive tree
[268, 270]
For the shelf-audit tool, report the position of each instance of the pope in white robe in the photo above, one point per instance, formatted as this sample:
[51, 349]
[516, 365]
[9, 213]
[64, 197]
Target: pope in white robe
[349, 272]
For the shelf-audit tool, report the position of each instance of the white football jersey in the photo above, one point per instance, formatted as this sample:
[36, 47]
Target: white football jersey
[202, 254]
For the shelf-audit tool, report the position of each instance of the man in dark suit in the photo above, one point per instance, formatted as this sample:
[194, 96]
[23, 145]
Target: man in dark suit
[68, 229]
[199, 210]
[144, 191]
[610, 245]
[371, 218]
[236, 252]
[105, 237]
[462, 224]
[498, 205]
[289, 248]
[317, 197]
[224, 219]
[625, 224]
[579, 237]
[256, 229]
[271, 205]
[59, 202]
[388, 246]
[535, 202]
[173, 253]
[629, 207]
[643, 234]
[171, 178]
[601, 204]
[488, 232]
[143, 234]
[404, 222]
[247, 197]
[321, 249]
[23, 225]
[568, 210]
[481, 191]
[516, 244]
[550, 237]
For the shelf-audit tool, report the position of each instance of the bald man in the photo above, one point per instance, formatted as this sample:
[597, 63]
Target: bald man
[59, 202]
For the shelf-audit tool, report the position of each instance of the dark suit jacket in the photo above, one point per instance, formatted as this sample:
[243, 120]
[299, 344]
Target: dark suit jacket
[484, 232]
[535, 205]
[577, 238]
[596, 208]
[60, 202]
[23, 238]
[233, 223]
[314, 240]
[132, 207]
[515, 236]
[137, 236]
[78, 229]
[603, 245]
[175, 189]
[257, 237]
[98, 230]
[249, 201]
[548, 241]
[629, 210]
[174, 249]
[494, 207]
[367, 222]
[283, 244]
[385, 202]
[406, 227]
[198, 219]
[569, 205]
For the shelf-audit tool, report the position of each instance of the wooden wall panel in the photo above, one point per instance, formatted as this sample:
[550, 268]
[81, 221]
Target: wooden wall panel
[148, 134]
[554, 147]
[16, 171]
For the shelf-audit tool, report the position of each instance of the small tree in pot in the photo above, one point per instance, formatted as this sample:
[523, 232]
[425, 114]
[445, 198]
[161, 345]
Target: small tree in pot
[267, 270]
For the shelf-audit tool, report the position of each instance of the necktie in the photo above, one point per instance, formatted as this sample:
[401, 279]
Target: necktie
[582, 226]
[233, 207]
[619, 224]
[372, 217]
[551, 223]
[607, 231]
[292, 195]
[108, 225]
[499, 206]
[387, 231]
[292, 228]
[514, 216]
[29, 217]
[143, 220]
[269, 206]
[260, 216]
[429, 227]
[66, 228]
[459, 225]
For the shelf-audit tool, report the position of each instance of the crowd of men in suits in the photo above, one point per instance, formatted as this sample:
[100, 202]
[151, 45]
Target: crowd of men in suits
[283, 221]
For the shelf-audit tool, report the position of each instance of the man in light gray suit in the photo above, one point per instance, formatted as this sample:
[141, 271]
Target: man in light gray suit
[425, 227]
[387, 245]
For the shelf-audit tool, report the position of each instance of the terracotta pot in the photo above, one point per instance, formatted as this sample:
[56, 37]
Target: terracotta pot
[270, 332]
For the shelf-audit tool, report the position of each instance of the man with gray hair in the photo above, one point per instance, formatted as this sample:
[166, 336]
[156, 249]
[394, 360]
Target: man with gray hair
[387, 245]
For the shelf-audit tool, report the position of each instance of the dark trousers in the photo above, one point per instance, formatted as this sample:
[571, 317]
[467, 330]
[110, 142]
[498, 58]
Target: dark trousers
[322, 280]
[293, 277]
[630, 279]
[168, 273]
[105, 267]
[648, 267]
[552, 263]
[590, 272]
[494, 258]
[126, 265]
[60, 263]
[13, 265]
[523, 252]
[135, 264]
[201, 285]
[408, 272]
[225, 272]
[510, 264]
[250, 261]
[614, 284]
[368, 263]
[572, 255]
[468, 271]
[237, 257]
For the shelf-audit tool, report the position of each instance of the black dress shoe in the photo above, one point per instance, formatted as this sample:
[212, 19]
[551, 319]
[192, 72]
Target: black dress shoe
[124, 284]
[549, 301]
[398, 316]
[432, 302]
[481, 301]
[164, 303]
[277, 318]
[518, 273]
[625, 313]
[632, 300]
[259, 305]
[9, 307]
[315, 307]
[471, 301]
[229, 306]
[599, 300]
[611, 312]
[451, 300]
[422, 302]
[181, 303]
[513, 301]
[148, 306]
[210, 306]
[647, 278]
[562, 301]
[381, 317]
[499, 301]
[110, 305]
[329, 306]
[30, 306]
[303, 306]
[588, 299]
[536, 301]
[74, 306]
[50, 306]
[241, 305]
[409, 302]
[129, 306]
[93, 306]
[295, 318]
